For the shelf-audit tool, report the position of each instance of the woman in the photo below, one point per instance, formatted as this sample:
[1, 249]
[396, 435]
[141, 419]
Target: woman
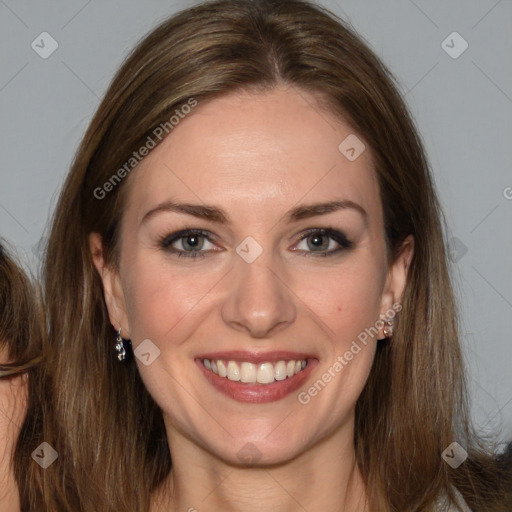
[20, 337]
[247, 286]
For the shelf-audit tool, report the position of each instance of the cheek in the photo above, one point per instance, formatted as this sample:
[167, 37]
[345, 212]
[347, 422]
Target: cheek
[13, 402]
[346, 299]
[157, 297]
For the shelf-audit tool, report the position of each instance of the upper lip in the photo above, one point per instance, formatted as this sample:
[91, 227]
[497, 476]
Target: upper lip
[256, 357]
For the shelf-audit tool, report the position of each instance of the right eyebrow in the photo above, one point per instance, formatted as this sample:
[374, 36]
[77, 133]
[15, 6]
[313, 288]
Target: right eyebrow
[210, 213]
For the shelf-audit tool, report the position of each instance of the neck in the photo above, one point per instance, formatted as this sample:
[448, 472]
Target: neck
[325, 477]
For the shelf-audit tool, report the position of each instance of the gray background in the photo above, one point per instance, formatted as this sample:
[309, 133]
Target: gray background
[463, 107]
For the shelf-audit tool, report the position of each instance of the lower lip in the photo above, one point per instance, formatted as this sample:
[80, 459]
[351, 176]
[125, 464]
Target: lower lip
[258, 393]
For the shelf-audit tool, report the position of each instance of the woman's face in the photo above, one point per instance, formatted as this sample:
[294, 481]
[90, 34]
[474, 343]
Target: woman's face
[259, 281]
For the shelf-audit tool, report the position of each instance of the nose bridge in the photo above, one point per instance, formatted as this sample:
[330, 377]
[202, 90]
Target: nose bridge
[258, 300]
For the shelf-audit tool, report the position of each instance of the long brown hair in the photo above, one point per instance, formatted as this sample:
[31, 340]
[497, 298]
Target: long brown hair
[20, 316]
[109, 433]
[21, 331]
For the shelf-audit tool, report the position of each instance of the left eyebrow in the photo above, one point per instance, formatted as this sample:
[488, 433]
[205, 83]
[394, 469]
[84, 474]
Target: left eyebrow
[312, 210]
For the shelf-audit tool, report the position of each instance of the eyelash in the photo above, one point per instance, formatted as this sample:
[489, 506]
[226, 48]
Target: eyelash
[339, 237]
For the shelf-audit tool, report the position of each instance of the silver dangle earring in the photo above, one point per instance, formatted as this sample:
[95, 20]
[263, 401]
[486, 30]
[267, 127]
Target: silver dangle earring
[122, 347]
[388, 329]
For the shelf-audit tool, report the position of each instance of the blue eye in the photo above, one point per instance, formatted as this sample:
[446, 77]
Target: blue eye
[191, 241]
[323, 241]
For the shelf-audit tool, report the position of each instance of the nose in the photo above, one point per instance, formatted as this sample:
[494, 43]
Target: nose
[259, 301]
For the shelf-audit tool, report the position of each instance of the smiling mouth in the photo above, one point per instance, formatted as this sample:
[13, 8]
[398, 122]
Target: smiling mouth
[254, 377]
[250, 373]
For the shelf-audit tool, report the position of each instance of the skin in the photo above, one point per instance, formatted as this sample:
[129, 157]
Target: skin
[256, 156]
[13, 399]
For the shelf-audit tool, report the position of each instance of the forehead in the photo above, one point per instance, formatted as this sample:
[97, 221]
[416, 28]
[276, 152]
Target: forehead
[255, 151]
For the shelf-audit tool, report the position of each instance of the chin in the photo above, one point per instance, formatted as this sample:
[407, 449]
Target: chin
[252, 451]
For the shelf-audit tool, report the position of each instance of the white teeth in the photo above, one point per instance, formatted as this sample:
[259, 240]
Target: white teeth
[280, 370]
[233, 371]
[223, 371]
[249, 373]
[265, 373]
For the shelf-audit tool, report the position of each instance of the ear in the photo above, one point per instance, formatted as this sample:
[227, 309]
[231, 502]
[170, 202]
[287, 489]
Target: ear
[397, 277]
[112, 288]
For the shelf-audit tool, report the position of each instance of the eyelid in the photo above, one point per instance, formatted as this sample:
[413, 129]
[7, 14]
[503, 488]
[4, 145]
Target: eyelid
[183, 233]
[327, 231]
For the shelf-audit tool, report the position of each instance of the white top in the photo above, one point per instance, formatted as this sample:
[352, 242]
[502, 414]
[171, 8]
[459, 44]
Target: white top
[443, 507]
